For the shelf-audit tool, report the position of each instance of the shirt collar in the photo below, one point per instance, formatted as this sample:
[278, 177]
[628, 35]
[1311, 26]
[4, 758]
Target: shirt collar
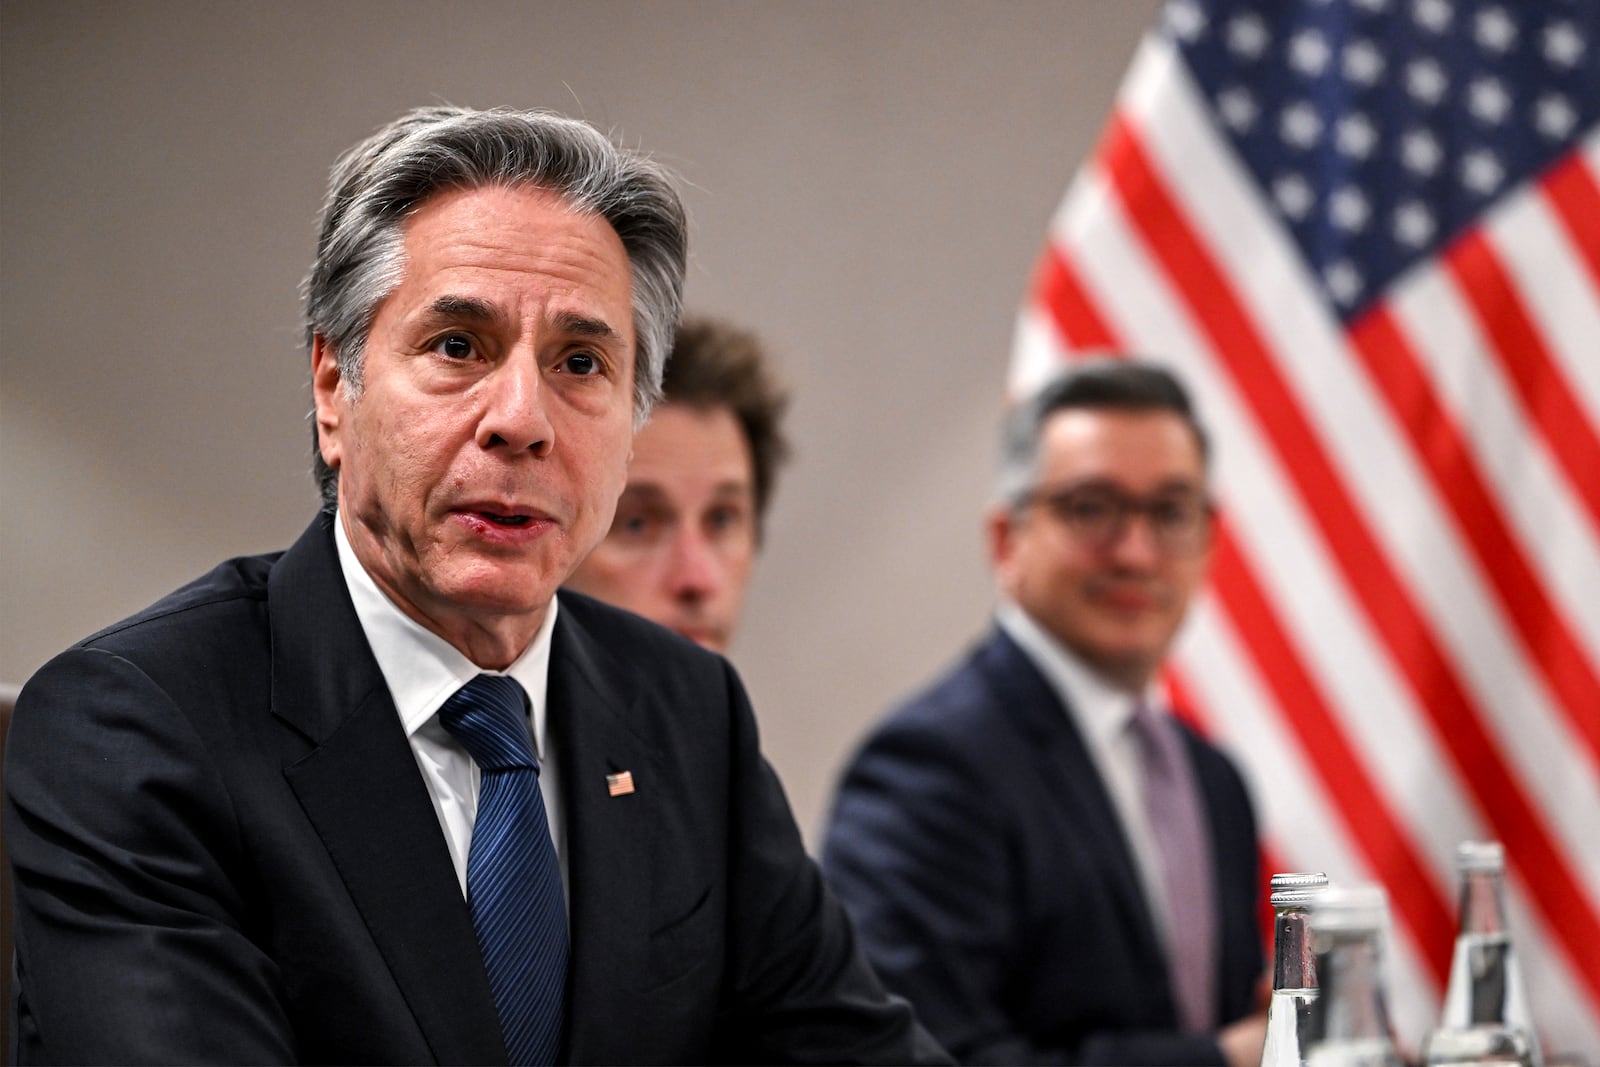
[1102, 710]
[421, 668]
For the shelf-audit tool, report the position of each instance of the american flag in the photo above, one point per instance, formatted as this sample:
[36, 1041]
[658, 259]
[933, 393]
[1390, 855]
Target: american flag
[1367, 234]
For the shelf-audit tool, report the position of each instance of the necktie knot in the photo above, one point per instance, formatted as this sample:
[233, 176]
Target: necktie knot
[489, 716]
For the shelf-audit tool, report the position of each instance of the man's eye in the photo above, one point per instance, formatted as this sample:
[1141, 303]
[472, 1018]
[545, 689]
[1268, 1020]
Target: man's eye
[722, 519]
[454, 346]
[1176, 514]
[581, 364]
[635, 527]
[1168, 513]
[1090, 509]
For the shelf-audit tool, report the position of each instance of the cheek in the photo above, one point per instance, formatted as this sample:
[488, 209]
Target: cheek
[1049, 567]
[744, 558]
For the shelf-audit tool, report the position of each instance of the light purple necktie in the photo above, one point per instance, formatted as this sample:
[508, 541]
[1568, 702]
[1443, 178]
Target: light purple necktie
[1175, 809]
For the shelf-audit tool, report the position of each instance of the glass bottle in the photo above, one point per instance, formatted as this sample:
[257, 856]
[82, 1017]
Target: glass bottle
[1485, 1019]
[1294, 970]
[1350, 1015]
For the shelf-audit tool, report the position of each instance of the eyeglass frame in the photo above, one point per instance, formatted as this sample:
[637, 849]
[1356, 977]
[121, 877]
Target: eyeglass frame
[1186, 540]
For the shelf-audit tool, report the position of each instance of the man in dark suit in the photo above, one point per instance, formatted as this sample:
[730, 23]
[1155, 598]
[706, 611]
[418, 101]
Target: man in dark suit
[385, 797]
[1051, 869]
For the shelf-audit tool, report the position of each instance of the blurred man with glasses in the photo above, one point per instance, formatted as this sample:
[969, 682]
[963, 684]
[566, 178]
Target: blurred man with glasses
[1037, 854]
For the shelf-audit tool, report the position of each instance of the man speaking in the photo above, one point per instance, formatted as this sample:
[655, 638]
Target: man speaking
[384, 797]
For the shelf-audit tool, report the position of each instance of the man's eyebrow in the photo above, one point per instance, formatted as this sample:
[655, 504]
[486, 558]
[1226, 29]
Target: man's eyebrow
[584, 326]
[449, 309]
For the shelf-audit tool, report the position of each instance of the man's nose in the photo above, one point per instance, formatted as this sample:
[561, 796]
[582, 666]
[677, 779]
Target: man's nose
[1137, 544]
[693, 571]
[514, 413]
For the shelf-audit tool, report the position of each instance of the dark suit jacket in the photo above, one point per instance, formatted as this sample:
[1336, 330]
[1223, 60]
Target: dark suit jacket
[224, 851]
[978, 850]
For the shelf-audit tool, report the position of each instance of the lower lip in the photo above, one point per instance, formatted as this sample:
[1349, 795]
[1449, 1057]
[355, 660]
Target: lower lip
[493, 533]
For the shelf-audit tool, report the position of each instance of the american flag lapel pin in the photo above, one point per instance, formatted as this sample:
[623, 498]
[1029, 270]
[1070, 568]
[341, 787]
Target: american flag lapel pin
[619, 784]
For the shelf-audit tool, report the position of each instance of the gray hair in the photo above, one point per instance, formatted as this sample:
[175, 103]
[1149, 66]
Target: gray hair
[376, 186]
[1099, 383]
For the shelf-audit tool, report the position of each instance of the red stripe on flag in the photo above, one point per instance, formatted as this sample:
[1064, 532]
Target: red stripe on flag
[1390, 849]
[1571, 190]
[1393, 365]
[1530, 367]
[1057, 289]
[1384, 598]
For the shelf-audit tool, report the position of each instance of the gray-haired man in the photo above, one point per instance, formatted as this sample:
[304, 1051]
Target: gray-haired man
[385, 797]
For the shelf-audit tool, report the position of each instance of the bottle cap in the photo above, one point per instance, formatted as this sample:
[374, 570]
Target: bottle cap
[1350, 909]
[1480, 856]
[1298, 888]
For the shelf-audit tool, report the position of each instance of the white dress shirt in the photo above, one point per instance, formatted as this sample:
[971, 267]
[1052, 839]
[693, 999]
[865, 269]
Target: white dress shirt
[1103, 714]
[423, 670]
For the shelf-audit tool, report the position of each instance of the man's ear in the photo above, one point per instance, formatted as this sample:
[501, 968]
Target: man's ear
[999, 528]
[329, 399]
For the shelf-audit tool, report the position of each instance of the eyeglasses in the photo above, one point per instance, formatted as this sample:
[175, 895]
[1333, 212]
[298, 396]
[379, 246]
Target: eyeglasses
[1098, 515]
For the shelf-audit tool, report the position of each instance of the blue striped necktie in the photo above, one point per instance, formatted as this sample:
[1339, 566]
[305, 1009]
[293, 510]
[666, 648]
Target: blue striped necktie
[513, 879]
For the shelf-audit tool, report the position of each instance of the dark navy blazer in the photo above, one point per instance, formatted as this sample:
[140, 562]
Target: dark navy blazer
[224, 852]
[977, 848]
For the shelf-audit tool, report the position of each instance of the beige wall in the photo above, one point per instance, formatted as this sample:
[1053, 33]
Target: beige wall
[869, 184]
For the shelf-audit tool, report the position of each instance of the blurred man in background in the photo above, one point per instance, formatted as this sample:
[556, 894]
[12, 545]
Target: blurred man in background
[1050, 866]
[690, 521]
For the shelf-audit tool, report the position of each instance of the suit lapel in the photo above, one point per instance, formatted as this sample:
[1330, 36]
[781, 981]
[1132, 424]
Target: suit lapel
[361, 789]
[609, 859]
[1073, 778]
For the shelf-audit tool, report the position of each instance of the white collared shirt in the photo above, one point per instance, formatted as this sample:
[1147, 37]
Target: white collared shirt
[1103, 714]
[423, 670]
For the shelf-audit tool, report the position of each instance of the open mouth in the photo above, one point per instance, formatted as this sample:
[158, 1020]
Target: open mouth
[504, 520]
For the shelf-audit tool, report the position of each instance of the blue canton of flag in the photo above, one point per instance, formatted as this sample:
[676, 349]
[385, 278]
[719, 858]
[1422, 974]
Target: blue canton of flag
[1382, 128]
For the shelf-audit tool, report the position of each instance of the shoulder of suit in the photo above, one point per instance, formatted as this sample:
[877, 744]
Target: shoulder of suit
[239, 580]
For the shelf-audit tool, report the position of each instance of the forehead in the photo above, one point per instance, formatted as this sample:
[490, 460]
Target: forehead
[686, 445]
[514, 242]
[1140, 450]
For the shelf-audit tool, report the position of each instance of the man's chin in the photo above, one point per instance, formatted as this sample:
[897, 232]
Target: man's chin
[500, 592]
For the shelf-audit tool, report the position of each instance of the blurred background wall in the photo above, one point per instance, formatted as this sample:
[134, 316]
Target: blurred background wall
[869, 185]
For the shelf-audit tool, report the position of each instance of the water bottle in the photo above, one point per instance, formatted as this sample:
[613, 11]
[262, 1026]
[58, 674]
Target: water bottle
[1485, 1019]
[1350, 1017]
[1294, 970]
